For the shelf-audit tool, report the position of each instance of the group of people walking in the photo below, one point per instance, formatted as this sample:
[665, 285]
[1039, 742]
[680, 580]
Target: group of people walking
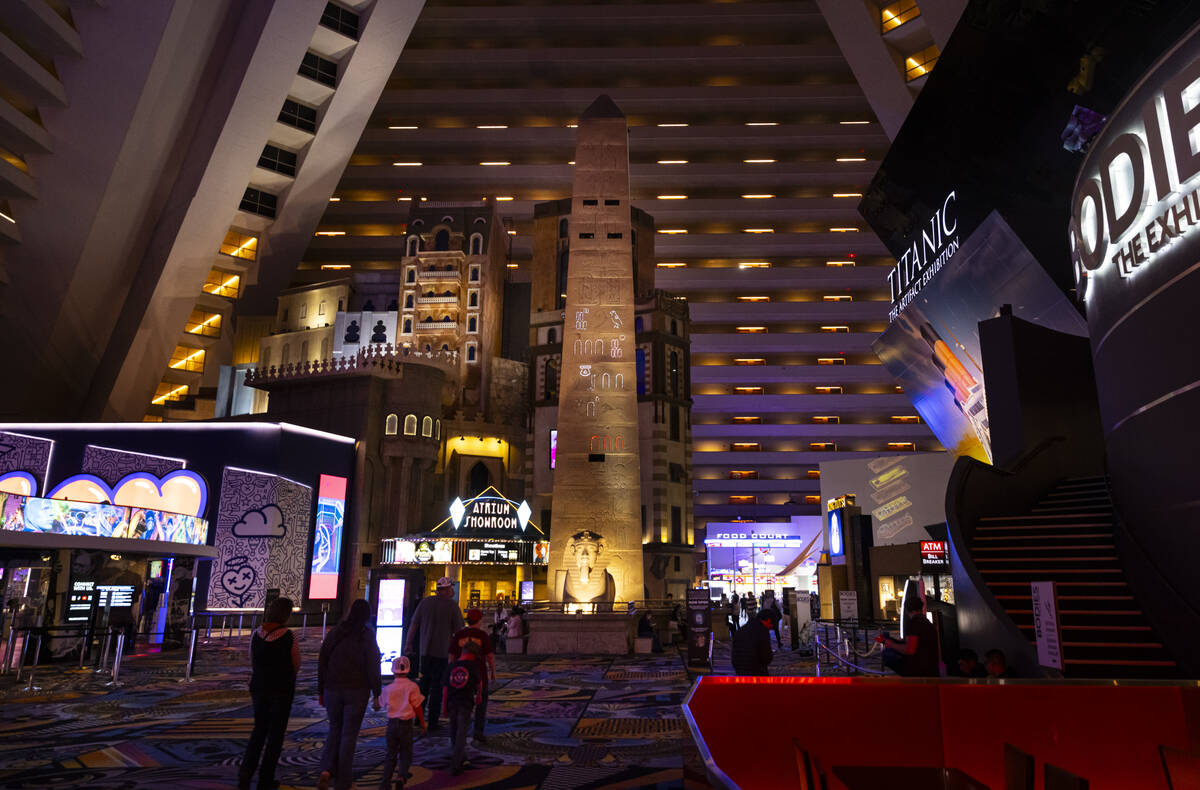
[456, 664]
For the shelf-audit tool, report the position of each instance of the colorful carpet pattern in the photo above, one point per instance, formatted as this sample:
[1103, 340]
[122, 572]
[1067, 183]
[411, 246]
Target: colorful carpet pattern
[570, 723]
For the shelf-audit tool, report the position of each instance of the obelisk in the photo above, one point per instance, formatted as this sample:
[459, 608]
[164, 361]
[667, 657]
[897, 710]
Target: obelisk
[596, 534]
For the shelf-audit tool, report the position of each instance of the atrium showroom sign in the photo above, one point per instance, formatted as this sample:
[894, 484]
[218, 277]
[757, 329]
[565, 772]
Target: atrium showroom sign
[924, 256]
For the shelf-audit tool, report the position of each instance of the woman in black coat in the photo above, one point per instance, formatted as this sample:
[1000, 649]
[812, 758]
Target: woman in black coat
[274, 660]
[347, 675]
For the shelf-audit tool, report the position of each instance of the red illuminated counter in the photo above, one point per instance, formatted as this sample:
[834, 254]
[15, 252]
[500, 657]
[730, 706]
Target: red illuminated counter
[851, 733]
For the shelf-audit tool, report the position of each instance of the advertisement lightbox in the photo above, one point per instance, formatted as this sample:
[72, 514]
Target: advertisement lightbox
[389, 630]
[327, 537]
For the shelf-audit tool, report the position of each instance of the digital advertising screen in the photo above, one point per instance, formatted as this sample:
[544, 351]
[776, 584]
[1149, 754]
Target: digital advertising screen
[553, 446]
[932, 346]
[115, 595]
[99, 520]
[327, 537]
[83, 595]
[389, 630]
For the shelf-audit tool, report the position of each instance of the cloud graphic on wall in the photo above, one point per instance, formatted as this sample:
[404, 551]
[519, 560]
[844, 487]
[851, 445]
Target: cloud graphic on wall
[264, 523]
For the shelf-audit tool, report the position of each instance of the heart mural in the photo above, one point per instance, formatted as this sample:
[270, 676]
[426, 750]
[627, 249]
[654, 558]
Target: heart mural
[238, 579]
[182, 491]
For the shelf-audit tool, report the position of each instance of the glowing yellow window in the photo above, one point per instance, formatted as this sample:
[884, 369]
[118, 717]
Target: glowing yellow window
[187, 358]
[754, 298]
[827, 419]
[202, 322]
[921, 63]
[748, 390]
[751, 330]
[835, 328]
[749, 361]
[748, 420]
[221, 283]
[829, 390]
[831, 360]
[906, 419]
[812, 499]
[743, 474]
[837, 298]
[746, 447]
[743, 499]
[839, 263]
[240, 245]
[814, 474]
[894, 15]
[822, 446]
[903, 446]
[168, 391]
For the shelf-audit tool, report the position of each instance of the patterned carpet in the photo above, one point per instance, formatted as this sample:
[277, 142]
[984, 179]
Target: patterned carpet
[554, 723]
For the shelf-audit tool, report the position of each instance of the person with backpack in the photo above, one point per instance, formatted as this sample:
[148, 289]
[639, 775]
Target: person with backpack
[751, 653]
[436, 619]
[347, 677]
[463, 683]
[274, 662]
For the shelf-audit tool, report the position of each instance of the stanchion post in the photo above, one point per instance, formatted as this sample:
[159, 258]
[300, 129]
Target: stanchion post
[240, 626]
[208, 633]
[37, 652]
[187, 671]
[86, 645]
[116, 671]
[12, 634]
[21, 658]
[817, 637]
[323, 616]
[104, 653]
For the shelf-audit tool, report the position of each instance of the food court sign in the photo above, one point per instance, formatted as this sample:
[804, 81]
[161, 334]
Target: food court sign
[1137, 194]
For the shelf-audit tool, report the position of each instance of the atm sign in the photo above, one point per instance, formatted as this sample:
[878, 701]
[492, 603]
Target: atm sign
[935, 556]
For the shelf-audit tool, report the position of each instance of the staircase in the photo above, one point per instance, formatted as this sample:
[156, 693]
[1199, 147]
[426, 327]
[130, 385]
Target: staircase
[1067, 538]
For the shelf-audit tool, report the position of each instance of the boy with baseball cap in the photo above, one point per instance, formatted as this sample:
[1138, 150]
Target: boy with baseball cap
[402, 699]
[485, 658]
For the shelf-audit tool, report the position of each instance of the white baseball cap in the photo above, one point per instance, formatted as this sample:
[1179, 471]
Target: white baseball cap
[444, 582]
[400, 666]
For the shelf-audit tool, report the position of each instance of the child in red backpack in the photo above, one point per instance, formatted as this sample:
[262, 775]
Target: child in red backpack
[463, 683]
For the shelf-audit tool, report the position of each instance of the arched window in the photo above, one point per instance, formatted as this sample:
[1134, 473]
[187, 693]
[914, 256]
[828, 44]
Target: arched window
[472, 324]
[441, 241]
[480, 477]
[410, 425]
[304, 310]
[391, 425]
[477, 244]
[341, 305]
[674, 327]
[562, 228]
[473, 299]
[408, 300]
[437, 429]
[471, 353]
[427, 426]
[637, 324]
[641, 371]
[551, 336]
[265, 362]
[414, 245]
[321, 307]
[287, 354]
[304, 351]
[325, 348]
[474, 277]
[412, 276]
[551, 372]
[408, 326]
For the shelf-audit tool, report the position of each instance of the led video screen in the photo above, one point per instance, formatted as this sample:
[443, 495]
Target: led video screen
[932, 347]
[389, 631]
[327, 537]
[99, 520]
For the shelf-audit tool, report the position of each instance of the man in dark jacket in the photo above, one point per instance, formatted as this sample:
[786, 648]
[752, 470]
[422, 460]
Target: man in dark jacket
[436, 619]
[751, 652]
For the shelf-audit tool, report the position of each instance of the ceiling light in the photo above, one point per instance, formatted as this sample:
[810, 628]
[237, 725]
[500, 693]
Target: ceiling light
[512, 233]
[843, 230]
[672, 265]
[571, 162]
[406, 164]
[852, 123]
[761, 123]
[492, 126]
[758, 161]
[403, 127]
[757, 197]
[335, 266]
[847, 194]
[672, 231]
[672, 197]
[331, 233]
[513, 265]
[335, 200]
[754, 265]
[758, 230]
[851, 159]
[504, 198]
[424, 199]
[572, 125]
[669, 125]
[754, 298]
[495, 164]
[403, 198]
[672, 161]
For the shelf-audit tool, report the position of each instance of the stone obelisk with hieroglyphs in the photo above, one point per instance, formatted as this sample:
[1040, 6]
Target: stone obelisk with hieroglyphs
[596, 538]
